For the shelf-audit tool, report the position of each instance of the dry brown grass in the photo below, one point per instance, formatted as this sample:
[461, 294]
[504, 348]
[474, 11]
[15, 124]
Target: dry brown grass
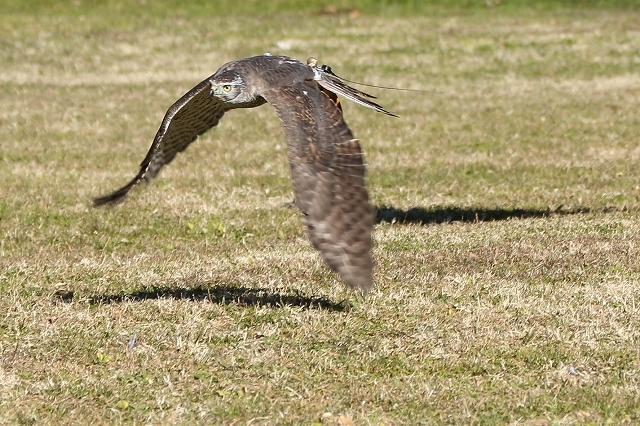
[507, 260]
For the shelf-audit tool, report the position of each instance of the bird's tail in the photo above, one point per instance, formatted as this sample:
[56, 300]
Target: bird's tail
[327, 79]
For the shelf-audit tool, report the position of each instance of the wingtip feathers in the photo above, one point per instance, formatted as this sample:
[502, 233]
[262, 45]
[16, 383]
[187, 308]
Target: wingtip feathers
[116, 196]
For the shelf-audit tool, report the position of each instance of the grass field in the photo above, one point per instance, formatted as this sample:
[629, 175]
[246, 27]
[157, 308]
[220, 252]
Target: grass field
[507, 248]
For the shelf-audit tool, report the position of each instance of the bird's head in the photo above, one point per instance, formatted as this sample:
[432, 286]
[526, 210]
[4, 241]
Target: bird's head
[229, 87]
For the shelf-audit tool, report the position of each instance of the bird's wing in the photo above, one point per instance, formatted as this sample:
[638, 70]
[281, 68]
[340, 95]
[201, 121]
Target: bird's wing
[328, 175]
[191, 115]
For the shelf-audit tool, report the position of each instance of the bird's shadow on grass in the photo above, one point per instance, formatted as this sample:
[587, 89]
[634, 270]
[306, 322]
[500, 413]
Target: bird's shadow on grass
[225, 295]
[435, 215]
[244, 296]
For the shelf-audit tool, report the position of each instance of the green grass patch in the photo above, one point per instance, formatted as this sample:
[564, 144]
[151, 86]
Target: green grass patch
[222, 8]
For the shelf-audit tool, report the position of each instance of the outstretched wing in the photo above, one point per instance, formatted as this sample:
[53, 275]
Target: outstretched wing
[192, 115]
[328, 175]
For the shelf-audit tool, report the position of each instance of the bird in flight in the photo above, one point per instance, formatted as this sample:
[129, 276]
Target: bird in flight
[326, 161]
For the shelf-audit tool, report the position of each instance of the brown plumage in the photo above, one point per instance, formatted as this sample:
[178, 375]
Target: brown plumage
[326, 161]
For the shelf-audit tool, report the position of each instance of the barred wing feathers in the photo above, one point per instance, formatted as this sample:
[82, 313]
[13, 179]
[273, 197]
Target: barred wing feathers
[328, 176]
[190, 116]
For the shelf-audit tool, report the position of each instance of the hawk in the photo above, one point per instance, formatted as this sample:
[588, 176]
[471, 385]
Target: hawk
[326, 161]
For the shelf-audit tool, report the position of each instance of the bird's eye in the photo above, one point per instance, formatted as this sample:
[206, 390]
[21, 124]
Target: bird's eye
[226, 88]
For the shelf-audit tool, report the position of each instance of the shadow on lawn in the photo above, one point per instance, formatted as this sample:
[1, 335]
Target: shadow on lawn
[225, 295]
[424, 216]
